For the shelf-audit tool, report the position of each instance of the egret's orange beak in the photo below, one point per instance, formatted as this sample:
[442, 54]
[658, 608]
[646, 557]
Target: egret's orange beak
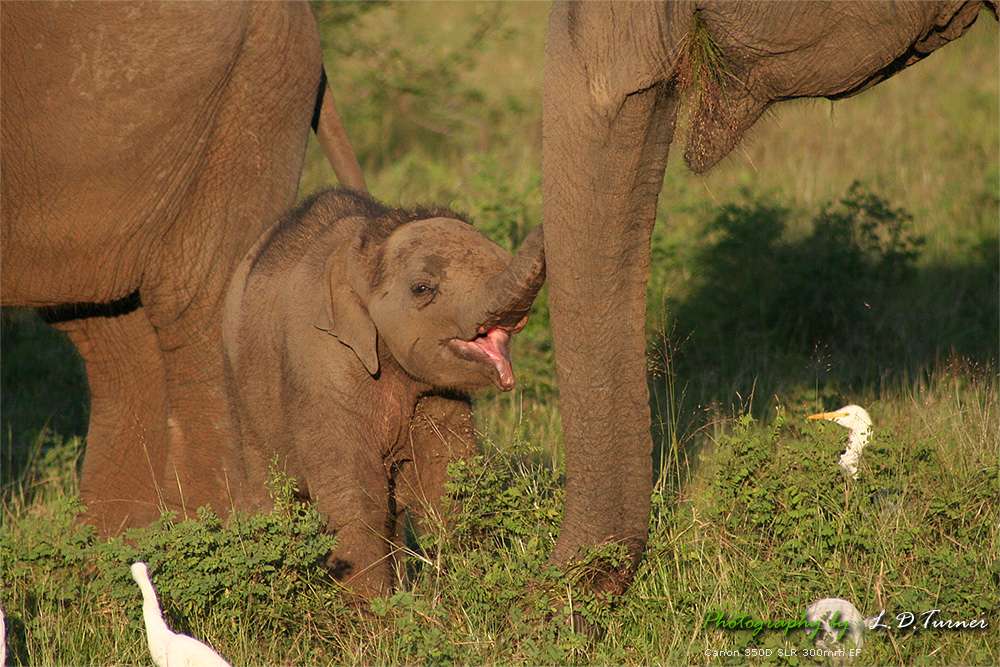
[827, 415]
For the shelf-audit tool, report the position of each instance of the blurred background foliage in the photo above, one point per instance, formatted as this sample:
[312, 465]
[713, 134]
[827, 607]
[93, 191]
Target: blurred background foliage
[840, 247]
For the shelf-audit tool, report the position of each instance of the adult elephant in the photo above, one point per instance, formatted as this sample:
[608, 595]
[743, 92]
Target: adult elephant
[145, 148]
[615, 75]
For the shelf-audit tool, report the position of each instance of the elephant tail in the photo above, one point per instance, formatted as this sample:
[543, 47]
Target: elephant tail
[332, 137]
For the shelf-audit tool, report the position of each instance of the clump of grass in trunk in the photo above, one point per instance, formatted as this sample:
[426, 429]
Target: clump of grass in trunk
[704, 61]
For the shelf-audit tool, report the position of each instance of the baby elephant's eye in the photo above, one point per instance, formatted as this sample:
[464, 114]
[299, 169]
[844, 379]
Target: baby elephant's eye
[422, 289]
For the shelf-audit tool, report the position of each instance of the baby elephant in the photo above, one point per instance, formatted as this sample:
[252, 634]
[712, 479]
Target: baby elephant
[353, 333]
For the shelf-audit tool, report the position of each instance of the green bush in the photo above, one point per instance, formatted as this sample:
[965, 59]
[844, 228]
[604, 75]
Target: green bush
[829, 286]
[265, 569]
[780, 496]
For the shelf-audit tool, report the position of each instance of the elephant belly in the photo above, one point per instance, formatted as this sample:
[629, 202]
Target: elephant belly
[107, 110]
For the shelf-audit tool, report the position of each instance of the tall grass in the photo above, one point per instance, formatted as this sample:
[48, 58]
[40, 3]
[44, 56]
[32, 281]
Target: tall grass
[778, 289]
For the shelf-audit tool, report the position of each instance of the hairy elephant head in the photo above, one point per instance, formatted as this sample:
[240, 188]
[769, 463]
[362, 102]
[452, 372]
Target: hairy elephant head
[435, 294]
[745, 56]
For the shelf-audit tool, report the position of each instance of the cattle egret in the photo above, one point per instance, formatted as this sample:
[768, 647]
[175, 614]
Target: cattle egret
[856, 420]
[841, 620]
[168, 648]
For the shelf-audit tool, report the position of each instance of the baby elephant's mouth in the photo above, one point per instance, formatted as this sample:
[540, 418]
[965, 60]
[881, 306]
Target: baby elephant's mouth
[491, 346]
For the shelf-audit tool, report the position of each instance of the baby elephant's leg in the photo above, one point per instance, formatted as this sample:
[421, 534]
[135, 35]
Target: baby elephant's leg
[441, 432]
[355, 499]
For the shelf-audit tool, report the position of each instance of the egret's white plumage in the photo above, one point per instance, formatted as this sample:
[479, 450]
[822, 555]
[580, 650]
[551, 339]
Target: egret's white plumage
[829, 609]
[856, 420]
[168, 648]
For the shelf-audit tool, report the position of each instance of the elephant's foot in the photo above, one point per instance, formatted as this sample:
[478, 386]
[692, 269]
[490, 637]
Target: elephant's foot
[363, 558]
[126, 438]
[353, 494]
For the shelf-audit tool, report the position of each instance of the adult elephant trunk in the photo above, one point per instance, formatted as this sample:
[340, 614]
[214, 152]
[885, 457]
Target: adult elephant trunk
[604, 149]
[511, 293]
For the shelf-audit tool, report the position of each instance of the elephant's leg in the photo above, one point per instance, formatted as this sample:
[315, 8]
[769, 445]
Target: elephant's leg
[250, 151]
[354, 496]
[203, 465]
[441, 432]
[126, 438]
[604, 154]
[257, 469]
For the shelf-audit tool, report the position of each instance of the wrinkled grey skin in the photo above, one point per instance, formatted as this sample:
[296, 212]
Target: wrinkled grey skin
[336, 324]
[615, 74]
[146, 146]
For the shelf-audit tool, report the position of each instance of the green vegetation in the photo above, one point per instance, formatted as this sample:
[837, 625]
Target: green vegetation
[704, 62]
[780, 287]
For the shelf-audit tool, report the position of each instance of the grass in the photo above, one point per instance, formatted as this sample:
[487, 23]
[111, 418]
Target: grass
[755, 321]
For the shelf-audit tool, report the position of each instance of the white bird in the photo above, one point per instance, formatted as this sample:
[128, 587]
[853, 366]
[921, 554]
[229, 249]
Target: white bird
[837, 611]
[856, 420]
[168, 648]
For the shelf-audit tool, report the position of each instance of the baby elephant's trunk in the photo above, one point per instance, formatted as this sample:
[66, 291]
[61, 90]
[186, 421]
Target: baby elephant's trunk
[510, 295]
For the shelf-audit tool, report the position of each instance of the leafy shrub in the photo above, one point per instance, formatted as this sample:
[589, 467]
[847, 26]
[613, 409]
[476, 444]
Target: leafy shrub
[768, 311]
[828, 286]
[503, 500]
[490, 576]
[264, 567]
[777, 494]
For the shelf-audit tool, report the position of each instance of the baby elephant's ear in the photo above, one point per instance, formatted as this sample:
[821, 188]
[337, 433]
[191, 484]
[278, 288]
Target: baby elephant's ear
[349, 321]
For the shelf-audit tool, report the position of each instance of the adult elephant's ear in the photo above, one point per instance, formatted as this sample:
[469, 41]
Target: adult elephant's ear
[347, 318]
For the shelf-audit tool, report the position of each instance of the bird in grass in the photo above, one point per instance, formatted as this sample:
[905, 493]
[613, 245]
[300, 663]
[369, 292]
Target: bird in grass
[168, 648]
[856, 420]
[834, 614]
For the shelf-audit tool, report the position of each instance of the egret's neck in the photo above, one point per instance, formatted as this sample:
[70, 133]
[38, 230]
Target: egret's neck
[858, 439]
[156, 627]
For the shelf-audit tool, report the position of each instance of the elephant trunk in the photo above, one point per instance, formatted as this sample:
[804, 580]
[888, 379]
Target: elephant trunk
[508, 300]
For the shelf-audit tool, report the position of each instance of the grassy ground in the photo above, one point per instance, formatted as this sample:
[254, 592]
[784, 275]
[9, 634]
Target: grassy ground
[778, 290]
